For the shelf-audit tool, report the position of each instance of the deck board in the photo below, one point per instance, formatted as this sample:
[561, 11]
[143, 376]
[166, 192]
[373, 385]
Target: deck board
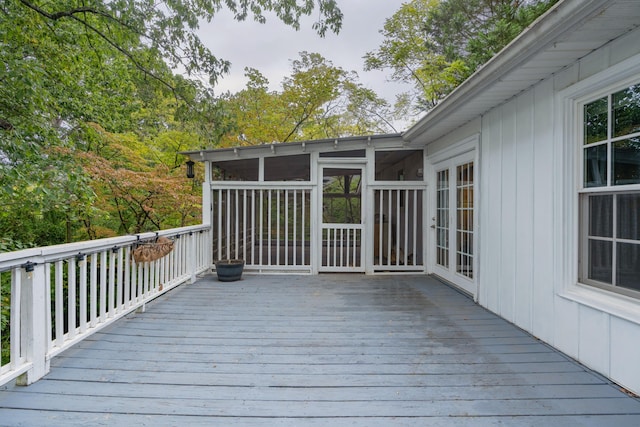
[313, 351]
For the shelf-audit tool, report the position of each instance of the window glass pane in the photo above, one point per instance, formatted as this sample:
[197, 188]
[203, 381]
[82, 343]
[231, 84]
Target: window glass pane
[626, 162]
[287, 168]
[601, 216]
[595, 121]
[600, 264]
[628, 217]
[442, 218]
[595, 166]
[628, 267]
[626, 111]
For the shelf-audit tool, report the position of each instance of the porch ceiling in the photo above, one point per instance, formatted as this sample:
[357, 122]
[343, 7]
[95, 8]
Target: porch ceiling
[568, 32]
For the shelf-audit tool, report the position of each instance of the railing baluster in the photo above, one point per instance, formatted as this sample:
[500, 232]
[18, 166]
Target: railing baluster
[286, 227]
[93, 291]
[389, 230]
[129, 280]
[261, 235]
[244, 224]
[103, 285]
[336, 248]
[236, 215]
[278, 217]
[380, 226]
[253, 227]
[59, 302]
[405, 244]
[83, 294]
[269, 229]
[303, 243]
[295, 228]
[416, 236]
[341, 247]
[111, 290]
[348, 247]
[71, 297]
[15, 342]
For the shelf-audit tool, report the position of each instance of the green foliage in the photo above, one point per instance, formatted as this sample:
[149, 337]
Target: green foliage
[435, 45]
[94, 79]
[318, 100]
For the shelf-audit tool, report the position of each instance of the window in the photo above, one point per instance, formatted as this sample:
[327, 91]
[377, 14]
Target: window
[610, 191]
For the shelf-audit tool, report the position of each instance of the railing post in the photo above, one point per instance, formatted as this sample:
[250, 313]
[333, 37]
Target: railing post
[34, 322]
[192, 257]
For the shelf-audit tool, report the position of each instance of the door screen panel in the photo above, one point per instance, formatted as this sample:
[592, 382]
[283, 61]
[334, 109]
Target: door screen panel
[341, 219]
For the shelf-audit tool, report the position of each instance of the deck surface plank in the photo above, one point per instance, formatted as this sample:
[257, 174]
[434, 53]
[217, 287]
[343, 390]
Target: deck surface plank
[339, 350]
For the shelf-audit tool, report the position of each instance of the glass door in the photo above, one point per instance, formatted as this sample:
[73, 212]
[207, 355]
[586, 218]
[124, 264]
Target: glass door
[454, 222]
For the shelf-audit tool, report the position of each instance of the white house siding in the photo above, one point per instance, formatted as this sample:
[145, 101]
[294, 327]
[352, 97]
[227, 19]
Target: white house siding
[516, 211]
[604, 340]
[522, 257]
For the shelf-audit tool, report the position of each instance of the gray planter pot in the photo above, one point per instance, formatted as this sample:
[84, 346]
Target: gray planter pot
[229, 270]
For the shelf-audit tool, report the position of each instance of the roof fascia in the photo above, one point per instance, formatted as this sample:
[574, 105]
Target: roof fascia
[293, 148]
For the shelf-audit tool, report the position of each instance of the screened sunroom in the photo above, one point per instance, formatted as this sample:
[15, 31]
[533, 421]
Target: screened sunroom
[339, 205]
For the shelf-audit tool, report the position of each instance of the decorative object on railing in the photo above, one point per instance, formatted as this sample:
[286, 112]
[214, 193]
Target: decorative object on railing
[229, 270]
[151, 251]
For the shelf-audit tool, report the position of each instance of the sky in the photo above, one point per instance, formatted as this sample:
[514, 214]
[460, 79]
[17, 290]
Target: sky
[270, 47]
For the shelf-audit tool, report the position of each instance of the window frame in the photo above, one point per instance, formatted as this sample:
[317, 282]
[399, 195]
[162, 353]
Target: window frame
[609, 188]
[567, 172]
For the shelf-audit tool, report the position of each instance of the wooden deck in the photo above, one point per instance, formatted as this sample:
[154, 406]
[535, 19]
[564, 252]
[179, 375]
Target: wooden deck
[329, 350]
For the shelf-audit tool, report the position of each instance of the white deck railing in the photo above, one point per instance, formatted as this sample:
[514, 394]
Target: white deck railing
[62, 294]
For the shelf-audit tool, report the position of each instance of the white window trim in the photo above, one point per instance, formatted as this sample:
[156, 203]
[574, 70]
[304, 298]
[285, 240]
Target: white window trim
[568, 168]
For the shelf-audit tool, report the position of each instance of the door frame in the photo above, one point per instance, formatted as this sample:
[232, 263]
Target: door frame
[335, 163]
[455, 155]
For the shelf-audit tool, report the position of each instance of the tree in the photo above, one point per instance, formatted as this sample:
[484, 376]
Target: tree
[435, 45]
[71, 67]
[318, 100]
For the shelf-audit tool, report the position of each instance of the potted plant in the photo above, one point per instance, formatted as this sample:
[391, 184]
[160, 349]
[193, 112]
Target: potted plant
[229, 270]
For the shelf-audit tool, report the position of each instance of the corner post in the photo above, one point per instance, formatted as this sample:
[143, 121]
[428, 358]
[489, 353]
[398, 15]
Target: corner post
[34, 315]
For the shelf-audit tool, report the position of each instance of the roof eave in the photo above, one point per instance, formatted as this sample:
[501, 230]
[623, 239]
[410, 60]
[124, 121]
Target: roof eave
[561, 18]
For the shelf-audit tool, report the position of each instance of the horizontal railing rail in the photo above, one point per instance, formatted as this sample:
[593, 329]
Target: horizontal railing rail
[59, 295]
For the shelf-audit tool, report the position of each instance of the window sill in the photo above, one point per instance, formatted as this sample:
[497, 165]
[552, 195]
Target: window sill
[614, 304]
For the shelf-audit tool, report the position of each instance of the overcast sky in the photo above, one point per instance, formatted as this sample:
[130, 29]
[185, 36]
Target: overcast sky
[270, 47]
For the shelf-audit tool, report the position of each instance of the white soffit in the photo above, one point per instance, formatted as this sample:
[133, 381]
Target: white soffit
[567, 32]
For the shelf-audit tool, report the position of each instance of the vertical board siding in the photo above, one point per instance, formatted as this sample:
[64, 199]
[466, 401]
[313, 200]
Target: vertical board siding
[593, 339]
[510, 142]
[624, 353]
[543, 227]
[524, 211]
[523, 216]
[517, 211]
[491, 210]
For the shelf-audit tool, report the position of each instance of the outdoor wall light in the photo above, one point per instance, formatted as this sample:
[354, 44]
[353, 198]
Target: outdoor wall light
[190, 172]
[28, 268]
